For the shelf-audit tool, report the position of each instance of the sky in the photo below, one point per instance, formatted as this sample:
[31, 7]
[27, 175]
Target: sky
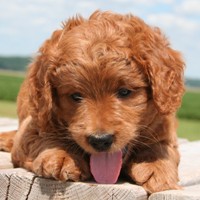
[26, 24]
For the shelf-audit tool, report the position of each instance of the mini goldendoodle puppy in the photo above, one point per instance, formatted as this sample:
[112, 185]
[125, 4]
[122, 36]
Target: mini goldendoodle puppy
[100, 100]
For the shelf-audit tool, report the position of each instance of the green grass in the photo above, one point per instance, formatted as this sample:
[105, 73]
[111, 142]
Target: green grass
[8, 109]
[190, 108]
[9, 86]
[189, 129]
[17, 63]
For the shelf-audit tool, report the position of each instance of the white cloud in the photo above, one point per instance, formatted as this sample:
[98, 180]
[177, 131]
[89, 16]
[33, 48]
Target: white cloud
[189, 7]
[173, 21]
[9, 31]
[24, 25]
[156, 1]
[147, 2]
[39, 21]
[87, 4]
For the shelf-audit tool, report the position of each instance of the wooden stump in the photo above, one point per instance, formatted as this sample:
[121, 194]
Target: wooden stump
[19, 184]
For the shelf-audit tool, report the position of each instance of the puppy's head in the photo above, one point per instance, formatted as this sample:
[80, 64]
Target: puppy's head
[104, 78]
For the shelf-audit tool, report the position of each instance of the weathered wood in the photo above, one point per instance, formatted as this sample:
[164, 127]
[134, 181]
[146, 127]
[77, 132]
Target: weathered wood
[7, 124]
[5, 160]
[4, 184]
[189, 173]
[84, 191]
[20, 184]
[189, 168]
[188, 193]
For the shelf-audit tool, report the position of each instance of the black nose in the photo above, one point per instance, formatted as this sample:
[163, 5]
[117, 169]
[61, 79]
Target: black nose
[101, 142]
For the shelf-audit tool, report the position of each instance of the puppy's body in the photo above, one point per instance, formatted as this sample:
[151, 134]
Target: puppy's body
[107, 84]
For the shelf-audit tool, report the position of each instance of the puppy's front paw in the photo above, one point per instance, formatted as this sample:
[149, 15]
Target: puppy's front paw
[6, 141]
[57, 164]
[155, 177]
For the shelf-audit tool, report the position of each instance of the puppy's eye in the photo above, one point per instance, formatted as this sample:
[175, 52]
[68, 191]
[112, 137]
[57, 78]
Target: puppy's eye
[76, 97]
[123, 93]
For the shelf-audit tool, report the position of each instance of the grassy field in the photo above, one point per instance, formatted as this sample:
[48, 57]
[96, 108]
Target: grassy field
[8, 109]
[190, 108]
[189, 129]
[9, 85]
[188, 114]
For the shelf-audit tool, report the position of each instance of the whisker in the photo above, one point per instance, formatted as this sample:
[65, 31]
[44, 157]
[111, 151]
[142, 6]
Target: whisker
[150, 131]
[144, 140]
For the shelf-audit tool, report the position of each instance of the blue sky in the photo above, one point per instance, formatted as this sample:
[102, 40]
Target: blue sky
[25, 24]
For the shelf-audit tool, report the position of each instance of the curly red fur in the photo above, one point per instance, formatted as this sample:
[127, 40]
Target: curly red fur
[96, 57]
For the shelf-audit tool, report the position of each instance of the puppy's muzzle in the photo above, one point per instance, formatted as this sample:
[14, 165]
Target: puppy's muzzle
[101, 142]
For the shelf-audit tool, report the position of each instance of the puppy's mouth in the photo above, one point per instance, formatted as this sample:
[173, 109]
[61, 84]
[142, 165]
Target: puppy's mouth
[105, 165]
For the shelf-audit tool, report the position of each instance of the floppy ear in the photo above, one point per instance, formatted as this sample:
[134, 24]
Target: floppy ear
[41, 90]
[163, 65]
[165, 72]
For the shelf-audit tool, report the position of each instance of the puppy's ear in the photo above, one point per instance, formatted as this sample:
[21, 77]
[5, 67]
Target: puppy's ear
[165, 72]
[39, 84]
[163, 65]
[41, 90]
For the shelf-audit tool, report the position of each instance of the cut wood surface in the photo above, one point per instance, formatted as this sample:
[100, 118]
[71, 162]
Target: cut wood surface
[188, 193]
[20, 184]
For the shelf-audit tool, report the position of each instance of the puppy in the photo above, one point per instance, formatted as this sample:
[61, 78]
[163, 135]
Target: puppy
[100, 100]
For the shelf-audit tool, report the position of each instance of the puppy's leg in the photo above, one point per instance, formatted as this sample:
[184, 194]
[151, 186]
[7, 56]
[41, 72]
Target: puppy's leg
[155, 169]
[58, 164]
[6, 140]
[48, 155]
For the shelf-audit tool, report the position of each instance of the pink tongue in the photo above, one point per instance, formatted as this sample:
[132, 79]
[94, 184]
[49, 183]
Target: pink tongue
[105, 167]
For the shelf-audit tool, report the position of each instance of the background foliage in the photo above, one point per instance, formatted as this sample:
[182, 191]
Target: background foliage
[14, 63]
